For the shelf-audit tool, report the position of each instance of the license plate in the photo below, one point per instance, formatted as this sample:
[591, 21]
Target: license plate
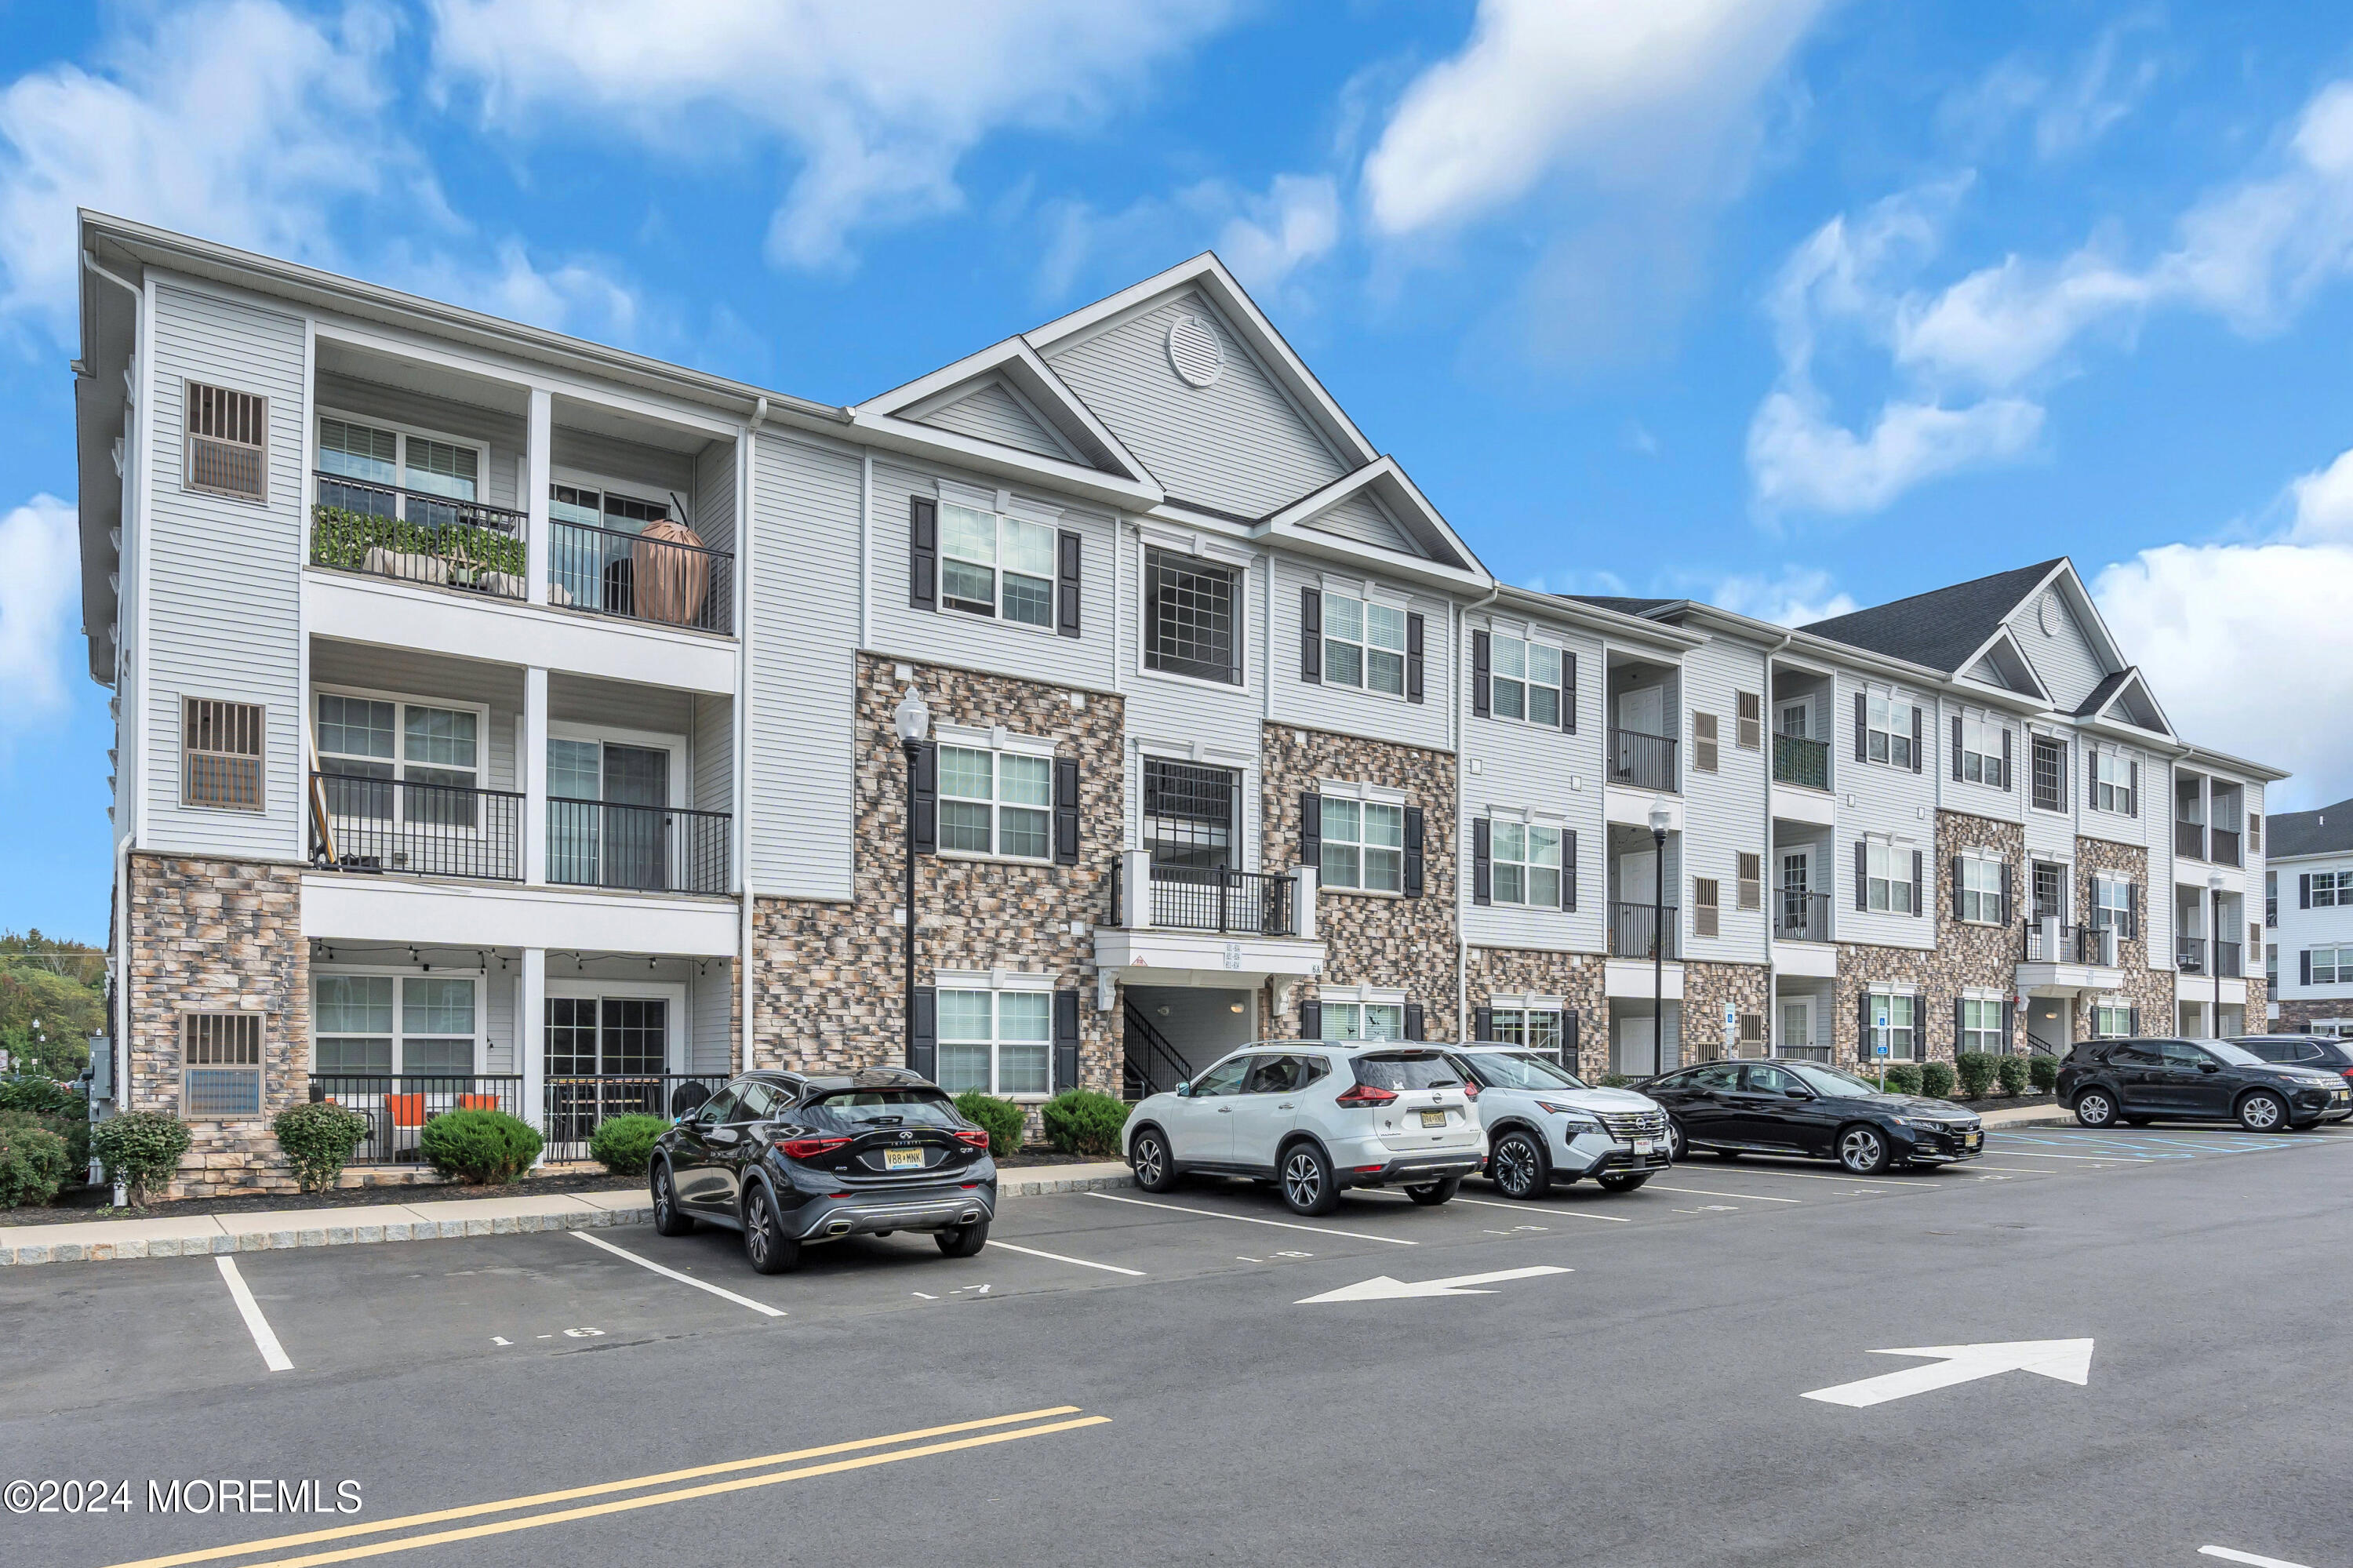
[1646, 1146]
[1973, 1139]
[1433, 1119]
[903, 1160]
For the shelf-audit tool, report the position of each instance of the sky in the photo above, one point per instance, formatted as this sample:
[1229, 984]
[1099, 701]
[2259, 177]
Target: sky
[1790, 305]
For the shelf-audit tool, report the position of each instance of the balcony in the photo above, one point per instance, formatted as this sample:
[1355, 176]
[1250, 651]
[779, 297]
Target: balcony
[384, 531]
[664, 575]
[1634, 931]
[2190, 955]
[1802, 917]
[1641, 761]
[399, 1107]
[1800, 761]
[641, 849]
[2227, 963]
[1206, 925]
[2189, 840]
[577, 1105]
[2052, 941]
[1188, 898]
[371, 824]
[2222, 846]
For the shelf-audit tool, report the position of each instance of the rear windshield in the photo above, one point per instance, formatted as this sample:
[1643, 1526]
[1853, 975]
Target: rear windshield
[860, 1110]
[1519, 1070]
[1408, 1070]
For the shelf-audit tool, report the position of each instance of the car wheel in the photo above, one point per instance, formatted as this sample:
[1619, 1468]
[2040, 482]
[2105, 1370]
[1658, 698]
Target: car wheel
[1308, 1187]
[1430, 1194]
[1519, 1166]
[1863, 1151]
[764, 1242]
[2263, 1111]
[1623, 1181]
[963, 1241]
[2095, 1108]
[1148, 1158]
[1677, 1149]
[669, 1220]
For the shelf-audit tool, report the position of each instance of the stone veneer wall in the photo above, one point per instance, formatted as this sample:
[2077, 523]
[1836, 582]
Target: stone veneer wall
[1575, 978]
[2150, 986]
[1708, 988]
[2295, 1017]
[1372, 940]
[828, 976]
[216, 935]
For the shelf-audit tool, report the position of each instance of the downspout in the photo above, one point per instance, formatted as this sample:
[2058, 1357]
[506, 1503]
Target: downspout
[1462, 898]
[1765, 862]
[750, 465]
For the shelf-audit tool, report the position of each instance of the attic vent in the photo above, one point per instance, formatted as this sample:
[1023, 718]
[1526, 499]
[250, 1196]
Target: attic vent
[1193, 351]
[2050, 615]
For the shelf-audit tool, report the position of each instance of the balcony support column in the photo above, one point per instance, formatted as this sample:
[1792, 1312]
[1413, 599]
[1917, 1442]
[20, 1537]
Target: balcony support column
[1303, 894]
[539, 546]
[1135, 889]
[530, 1035]
[531, 762]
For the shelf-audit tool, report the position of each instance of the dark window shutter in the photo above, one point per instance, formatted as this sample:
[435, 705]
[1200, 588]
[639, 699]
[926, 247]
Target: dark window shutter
[2133, 1022]
[1568, 1037]
[1066, 811]
[1568, 869]
[1862, 1025]
[1917, 907]
[1311, 636]
[2006, 915]
[925, 801]
[1311, 1019]
[1067, 622]
[1483, 869]
[1066, 1040]
[1960, 1025]
[2303, 967]
[1862, 874]
[1310, 831]
[1862, 727]
[1957, 887]
[2303, 891]
[2132, 909]
[2009, 1023]
[2005, 760]
[1916, 754]
[1413, 851]
[1483, 655]
[2091, 778]
[922, 553]
[1413, 634]
[1569, 691]
[2132, 784]
[1956, 749]
[1483, 1024]
[923, 1053]
[1415, 1026]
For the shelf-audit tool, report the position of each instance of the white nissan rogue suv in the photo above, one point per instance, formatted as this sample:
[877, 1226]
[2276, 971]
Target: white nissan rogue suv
[1546, 1124]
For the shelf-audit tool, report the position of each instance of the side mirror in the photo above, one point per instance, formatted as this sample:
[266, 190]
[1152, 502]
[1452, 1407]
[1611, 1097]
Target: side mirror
[1798, 1093]
[1185, 1090]
[2210, 1066]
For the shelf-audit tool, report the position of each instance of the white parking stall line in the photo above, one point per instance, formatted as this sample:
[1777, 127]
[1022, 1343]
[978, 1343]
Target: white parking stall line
[265, 1339]
[1058, 1258]
[1873, 1182]
[1580, 1213]
[2227, 1555]
[1247, 1219]
[760, 1307]
[1712, 1193]
[2105, 1159]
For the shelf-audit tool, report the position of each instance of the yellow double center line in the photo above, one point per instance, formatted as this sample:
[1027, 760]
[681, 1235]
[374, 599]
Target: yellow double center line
[981, 1437]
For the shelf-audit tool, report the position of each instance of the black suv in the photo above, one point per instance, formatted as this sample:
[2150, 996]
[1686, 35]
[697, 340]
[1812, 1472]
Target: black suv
[2139, 1081]
[1781, 1107]
[790, 1159]
[2321, 1052]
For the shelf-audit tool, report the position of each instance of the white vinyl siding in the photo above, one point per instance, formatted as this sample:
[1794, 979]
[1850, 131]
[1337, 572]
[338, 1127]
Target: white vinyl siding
[992, 413]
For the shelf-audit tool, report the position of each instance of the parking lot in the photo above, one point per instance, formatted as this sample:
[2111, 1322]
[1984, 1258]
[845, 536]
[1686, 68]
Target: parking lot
[1121, 1376]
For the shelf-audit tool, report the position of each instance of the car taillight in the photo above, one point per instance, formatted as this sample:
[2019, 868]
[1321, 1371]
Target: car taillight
[975, 1137]
[1470, 1090]
[810, 1148]
[2348, 1074]
[1364, 1094]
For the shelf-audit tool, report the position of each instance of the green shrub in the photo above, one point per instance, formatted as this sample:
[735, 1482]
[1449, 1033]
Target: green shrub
[2013, 1074]
[2042, 1072]
[1903, 1078]
[1002, 1118]
[71, 1126]
[140, 1148]
[1977, 1069]
[1081, 1122]
[1619, 1080]
[41, 1095]
[33, 1162]
[484, 1146]
[1936, 1079]
[624, 1145]
[318, 1140]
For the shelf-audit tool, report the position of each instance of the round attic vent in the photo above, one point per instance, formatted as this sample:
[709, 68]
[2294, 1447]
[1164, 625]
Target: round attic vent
[1193, 351]
[2050, 615]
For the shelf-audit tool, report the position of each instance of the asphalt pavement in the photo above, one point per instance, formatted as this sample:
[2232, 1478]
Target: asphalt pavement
[1137, 1378]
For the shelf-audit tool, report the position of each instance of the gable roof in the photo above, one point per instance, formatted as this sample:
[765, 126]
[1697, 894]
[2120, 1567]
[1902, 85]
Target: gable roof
[1014, 366]
[1943, 628]
[2328, 830]
[1420, 530]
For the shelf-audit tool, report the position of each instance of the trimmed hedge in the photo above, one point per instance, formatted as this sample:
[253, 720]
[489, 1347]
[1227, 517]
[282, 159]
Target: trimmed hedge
[2013, 1075]
[1977, 1069]
[1936, 1079]
[1081, 1122]
[318, 1140]
[482, 1146]
[1002, 1120]
[2042, 1072]
[33, 1163]
[624, 1145]
[140, 1148]
[1902, 1077]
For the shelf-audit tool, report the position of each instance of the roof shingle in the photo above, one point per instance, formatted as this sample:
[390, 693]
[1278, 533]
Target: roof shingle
[1940, 627]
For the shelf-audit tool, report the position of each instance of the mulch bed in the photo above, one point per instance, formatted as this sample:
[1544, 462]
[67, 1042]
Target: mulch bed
[79, 1203]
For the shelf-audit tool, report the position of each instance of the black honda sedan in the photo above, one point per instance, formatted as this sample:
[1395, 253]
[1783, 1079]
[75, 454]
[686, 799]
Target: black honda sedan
[2139, 1081]
[791, 1161]
[1781, 1107]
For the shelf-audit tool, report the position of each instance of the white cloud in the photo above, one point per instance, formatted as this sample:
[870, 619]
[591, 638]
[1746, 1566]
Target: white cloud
[1798, 596]
[37, 596]
[2066, 114]
[1264, 237]
[879, 102]
[1801, 457]
[1296, 222]
[2323, 503]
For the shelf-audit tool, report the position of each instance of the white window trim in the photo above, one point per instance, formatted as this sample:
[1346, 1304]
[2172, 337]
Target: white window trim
[399, 1036]
[605, 484]
[2093, 757]
[996, 742]
[481, 450]
[1527, 1003]
[1349, 788]
[1523, 817]
[1001, 504]
[1981, 857]
[1893, 845]
[1365, 794]
[1369, 593]
[1994, 726]
[677, 1051]
[1245, 566]
[2067, 755]
[998, 982]
[649, 739]
[1373, 993]
[1890, 696]
[1526, 632]
[400, 700]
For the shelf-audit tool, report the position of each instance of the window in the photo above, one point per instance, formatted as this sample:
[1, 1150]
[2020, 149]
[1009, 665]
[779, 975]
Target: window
[1527, 682]
[1793, 719]
[1364, 1020]
[1364, 644]
[1889, 879]
[357, 1028]
[1189, 815]
[1535, 1028]
[2112, 903]
[1982, 1024]
[388, 760]
[220, 1065]
[1192, 625]
[1526, 857]
[1890, 731]
[2271, 962]
[997, 1041]
[1892, 1024]
[1705, 892]
[1980, 761]
[2050, 890]
[1364, 846]
[1749, 721]
[1704, 742]
[2331, 965]
[996, 803]
[991, 563]
[220, 753]
[2112, 1021]
[1980, 890]
[228, 442]
[2331, 888]
[2049, 774]
[2111, 783]
[1752, 880]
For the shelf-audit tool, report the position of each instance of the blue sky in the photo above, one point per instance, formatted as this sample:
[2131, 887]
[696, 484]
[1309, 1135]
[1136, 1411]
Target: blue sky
[1788, 304]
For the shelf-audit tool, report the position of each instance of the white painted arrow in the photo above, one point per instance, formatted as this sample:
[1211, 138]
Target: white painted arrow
[2069, 1360]
[1381, 1287]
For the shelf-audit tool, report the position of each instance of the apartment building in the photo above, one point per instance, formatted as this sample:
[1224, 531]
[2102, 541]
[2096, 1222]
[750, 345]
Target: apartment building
[2308, 908]
[508, 720]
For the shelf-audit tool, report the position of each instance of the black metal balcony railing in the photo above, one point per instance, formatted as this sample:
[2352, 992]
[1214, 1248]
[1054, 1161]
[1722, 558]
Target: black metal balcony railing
[1801, 917]
[1207, 898]
[577, 1105]
[424, 829]
[398, 1106]
[1798, 760]
[1642, 761]
[640, 576]
[411, 536]
[2189, 840]
[2076, 944]
[2226, 961]
[2190, 955]
[648, 848]
[1634, 931]
[2222, 846]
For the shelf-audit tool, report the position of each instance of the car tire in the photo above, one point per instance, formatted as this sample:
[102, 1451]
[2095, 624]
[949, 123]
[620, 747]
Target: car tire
[1623, 1181]
[2136, 1120]
[1519, 1165]
[963, 1241]
[2096, 1108]
[1148, 1157]
[670, 1219]
[1678, 1150]
[1309, 1186]
[1430, 1194]
[1862, 1150]
[1726, 1153]
[2263, 1111]
[765, 1245]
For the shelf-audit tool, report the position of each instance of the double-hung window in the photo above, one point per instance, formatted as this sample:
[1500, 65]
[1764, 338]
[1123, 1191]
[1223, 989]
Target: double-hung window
[1981, 750]
[1364, 643]
[1981, 889]
[996, 802]
[1893, 1024]
[2111, 1021]
[361, 464]
[997, 1041]
[1526, 857]
[2049, 774]
[1890, 727]
[1530, 1028]
[1982, 1024]
[994, 564]
[2112, 904]
[2332, 966]
[1364, 845]
[1192, 617]
[390, 760]
[380, 1025]
[1890, 878]
[1526, 680]
[2111, 783]
[2331, 888]
[1364, 1021]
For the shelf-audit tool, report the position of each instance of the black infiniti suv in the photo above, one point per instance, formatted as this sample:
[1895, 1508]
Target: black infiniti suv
[792, 1159]
[2141, 1081]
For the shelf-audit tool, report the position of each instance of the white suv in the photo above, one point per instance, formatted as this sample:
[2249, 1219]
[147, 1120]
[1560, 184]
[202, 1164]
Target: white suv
[1315, 1116]
[1545, 1125]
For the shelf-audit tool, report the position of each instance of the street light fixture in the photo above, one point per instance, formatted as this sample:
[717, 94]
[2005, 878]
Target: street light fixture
[1660, 821]
[913, 721]
[2214, 896]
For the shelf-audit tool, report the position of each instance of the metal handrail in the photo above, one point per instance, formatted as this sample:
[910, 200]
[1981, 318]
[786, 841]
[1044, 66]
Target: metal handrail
[639, 578]
[2226, 960]
[1633, 928]
[1157, 1053]
[1642, 761]
[1801, 917]
[1252, 902]
[425, 829]
[576, 1104]
[416, 536]
[2189, 840]
[398, 1106]
[648, 848]
[2190, 955]
[2222, 845]
[1800, 761]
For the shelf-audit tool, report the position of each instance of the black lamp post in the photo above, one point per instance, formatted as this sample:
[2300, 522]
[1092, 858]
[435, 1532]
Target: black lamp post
[1661, 818]
[2214, 948]
[913, 721]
